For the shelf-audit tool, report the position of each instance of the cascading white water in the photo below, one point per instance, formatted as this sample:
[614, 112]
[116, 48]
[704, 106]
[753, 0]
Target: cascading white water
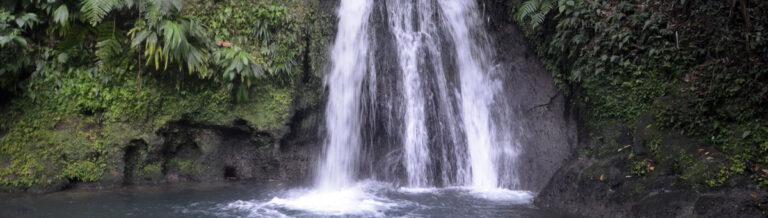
[478, 90]
[440, 100]
[349, 67]
[413, 101]
[409, 42]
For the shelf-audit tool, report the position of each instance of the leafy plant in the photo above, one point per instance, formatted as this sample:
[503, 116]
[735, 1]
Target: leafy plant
[268, 32]
[238, 64]
[624, 59]
[11, 27]
[171, 41]
[641, 167]
[534, 12]
[14, 46]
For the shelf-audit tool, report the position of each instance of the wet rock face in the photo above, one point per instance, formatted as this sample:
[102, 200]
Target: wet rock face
[189, 152]
[578, 189]
[612, 177]
[548, 128]
[738, 203]
[185, 152]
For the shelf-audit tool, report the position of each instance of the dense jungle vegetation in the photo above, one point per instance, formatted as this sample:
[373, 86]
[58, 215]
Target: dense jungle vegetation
[694, 68]
[80, 78]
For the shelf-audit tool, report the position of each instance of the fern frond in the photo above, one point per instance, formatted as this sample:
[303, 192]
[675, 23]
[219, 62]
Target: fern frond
[108, 51]
[526, 9]
[95, 10]
[537, 19]
[545, 7]
[108, 47]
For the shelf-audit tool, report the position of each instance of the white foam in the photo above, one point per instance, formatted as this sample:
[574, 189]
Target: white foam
[254, 209]
[417, 190]
[506, 195]
[357, 200]
[366, 198]
[335, 202]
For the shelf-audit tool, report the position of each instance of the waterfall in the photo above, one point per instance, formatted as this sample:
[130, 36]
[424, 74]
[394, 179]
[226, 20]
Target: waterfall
[350, 65]
[409, 41]
[478, 92]
[415, 103]
[416, 100]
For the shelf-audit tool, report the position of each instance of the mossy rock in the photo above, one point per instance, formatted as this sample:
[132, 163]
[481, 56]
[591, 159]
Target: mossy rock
[151, 172]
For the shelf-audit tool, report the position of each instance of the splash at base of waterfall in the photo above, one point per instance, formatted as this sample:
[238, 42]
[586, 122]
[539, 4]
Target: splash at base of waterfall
[378, 199]
[356, 200]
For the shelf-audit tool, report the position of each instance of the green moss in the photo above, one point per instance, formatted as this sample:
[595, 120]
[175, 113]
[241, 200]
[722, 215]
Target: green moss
[152, 170]
[185, 167]
[270, 110]
[69, 131]
[201, 104]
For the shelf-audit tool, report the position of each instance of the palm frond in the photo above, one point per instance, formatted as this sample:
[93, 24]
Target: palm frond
[61, 15]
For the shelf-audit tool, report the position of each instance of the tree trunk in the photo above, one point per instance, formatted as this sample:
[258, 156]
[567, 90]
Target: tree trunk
[138, 71]
[748, 25]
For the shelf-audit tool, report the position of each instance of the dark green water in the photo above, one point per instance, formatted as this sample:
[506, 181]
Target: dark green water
[247, 199]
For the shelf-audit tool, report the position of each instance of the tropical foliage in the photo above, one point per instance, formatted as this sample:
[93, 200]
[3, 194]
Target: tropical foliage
[13, 44]
[80, 78]
[697, 67]
[154, 31]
